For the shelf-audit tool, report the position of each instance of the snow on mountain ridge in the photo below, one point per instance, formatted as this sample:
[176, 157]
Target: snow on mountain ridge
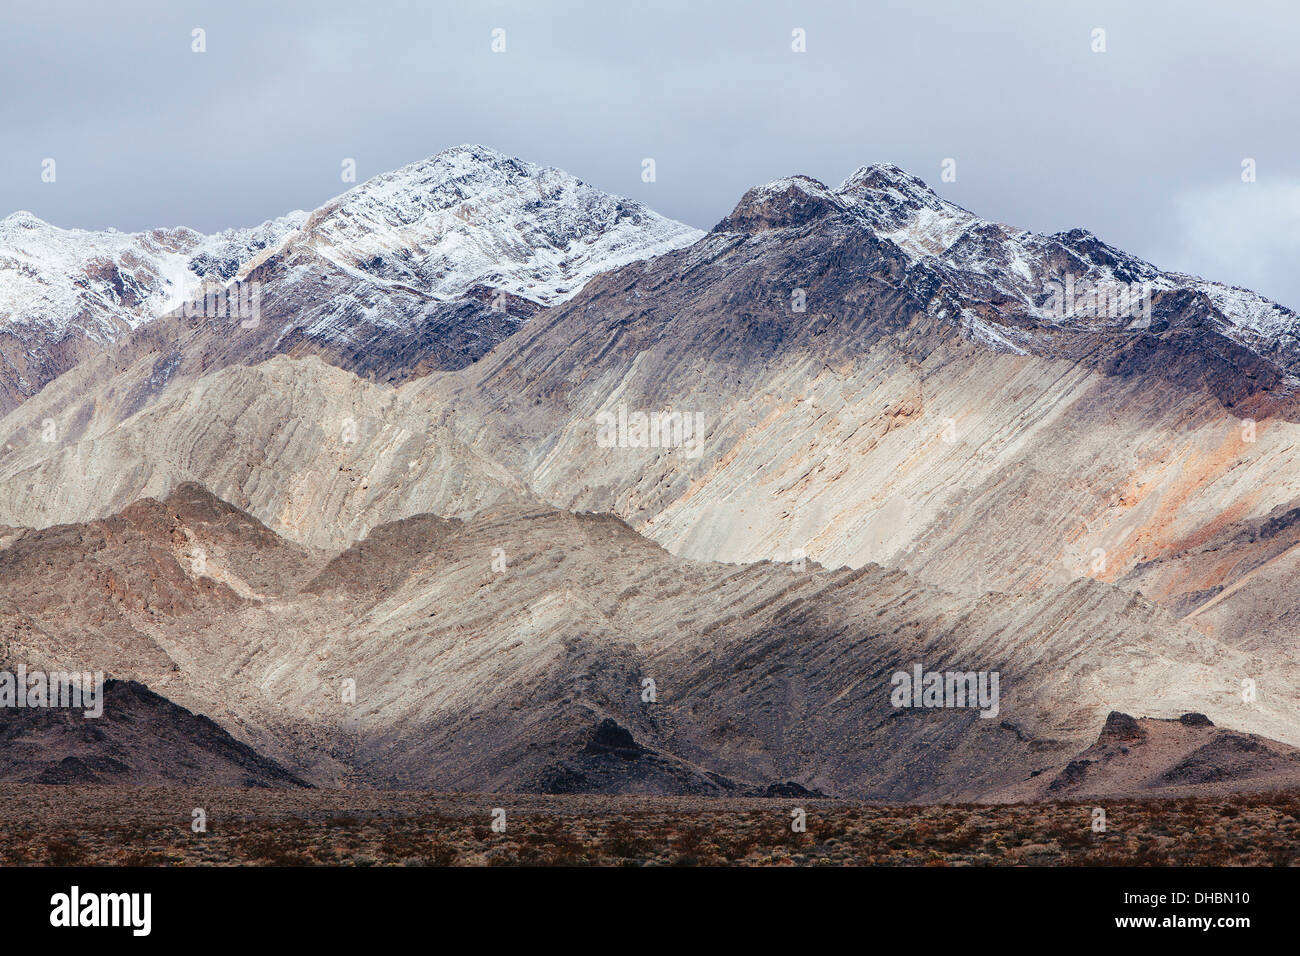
[405, 268]
[470, 215]
[403, 246]
[986, 261]
[1069, 280]
[466, 216]
[54, 281]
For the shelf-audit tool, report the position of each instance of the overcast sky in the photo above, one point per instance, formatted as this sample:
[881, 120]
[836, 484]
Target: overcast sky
[1143, 144]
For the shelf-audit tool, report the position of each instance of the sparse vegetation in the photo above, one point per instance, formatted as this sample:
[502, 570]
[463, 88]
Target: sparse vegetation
[110, 826]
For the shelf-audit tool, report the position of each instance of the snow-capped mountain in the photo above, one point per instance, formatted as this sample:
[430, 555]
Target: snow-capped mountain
[956, 494]
[473, 216]
[54, 281]
[425, 267]
[430, 266]
[69, 293]
[1003, 281]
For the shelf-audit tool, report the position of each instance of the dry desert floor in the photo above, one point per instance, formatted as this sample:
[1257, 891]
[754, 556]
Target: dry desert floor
[110, 826]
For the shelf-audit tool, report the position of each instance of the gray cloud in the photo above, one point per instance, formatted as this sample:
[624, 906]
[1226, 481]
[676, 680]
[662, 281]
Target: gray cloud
[1141, 144]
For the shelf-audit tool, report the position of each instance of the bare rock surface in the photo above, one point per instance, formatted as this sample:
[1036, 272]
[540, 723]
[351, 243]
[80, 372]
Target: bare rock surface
[140, 739]
[511, 650]
[1174, 757]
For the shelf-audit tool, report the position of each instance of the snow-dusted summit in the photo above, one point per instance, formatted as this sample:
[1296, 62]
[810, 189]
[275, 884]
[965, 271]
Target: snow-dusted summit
[1030, 268]
[1002, 282]
[57, 281]
[405, 261]
[473, 216]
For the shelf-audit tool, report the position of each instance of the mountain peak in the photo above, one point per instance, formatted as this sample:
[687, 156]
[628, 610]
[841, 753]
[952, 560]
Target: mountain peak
[472, 215]
[443, 179]
[790, 201]
[885, 182]
[881, 175]
[22, 219]
[475, 151]
[465, 160]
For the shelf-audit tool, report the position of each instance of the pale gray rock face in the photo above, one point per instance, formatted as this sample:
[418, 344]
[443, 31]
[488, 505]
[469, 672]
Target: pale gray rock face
[1100, 509]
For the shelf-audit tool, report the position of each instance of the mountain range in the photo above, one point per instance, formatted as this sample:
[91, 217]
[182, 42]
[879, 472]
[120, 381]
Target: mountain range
[498, 448]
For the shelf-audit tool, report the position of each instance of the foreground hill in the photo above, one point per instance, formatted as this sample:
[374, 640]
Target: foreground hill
[140, 739]
[1175, 757]
[510, 651]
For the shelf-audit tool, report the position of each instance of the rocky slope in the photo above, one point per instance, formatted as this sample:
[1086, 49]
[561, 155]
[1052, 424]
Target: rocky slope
[1100, 506]
[141, 739]
[510, 651]
[873, 426]
[881, 423]
[1175, 757]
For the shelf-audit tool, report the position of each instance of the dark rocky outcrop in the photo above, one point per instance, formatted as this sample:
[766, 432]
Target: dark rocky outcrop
[141, 739]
